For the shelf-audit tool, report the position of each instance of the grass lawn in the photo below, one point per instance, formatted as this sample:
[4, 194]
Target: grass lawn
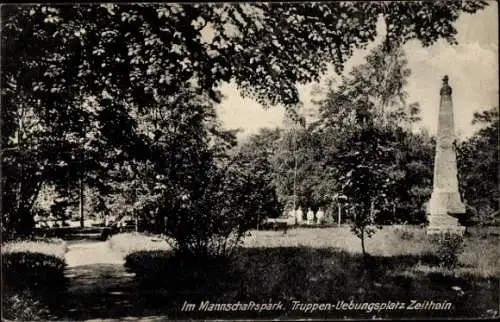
[128, 243]
[325, 265]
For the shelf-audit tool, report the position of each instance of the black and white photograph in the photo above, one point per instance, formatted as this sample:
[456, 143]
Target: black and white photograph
[298, 160]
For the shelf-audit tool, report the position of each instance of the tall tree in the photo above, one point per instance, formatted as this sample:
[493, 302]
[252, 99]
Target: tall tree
[364, 122]
[478, 168]
[256, 190]
[298, 168]
[262, 148]
[413, 187]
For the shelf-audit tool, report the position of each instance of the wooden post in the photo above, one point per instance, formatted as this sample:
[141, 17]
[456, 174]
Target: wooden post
[340, 213]
[81, 190]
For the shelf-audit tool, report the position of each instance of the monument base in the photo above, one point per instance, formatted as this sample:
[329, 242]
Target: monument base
[442, 206]
[444, 224]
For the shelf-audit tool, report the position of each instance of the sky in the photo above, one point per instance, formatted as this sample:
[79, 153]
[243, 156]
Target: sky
[472, 67]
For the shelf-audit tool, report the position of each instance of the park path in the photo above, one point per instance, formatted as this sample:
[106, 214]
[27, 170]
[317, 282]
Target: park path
[90, 253]
[99, 286]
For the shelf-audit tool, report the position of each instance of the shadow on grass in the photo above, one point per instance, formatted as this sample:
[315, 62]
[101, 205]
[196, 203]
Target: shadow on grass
[309, 275]
[180, 275]
[162, 281]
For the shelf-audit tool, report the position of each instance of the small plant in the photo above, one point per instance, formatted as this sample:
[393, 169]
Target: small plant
[448, 248]
[23, 306]
[404, 233]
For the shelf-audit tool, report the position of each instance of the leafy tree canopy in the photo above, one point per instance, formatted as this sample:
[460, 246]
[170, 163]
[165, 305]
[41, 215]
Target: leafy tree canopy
[140, 53]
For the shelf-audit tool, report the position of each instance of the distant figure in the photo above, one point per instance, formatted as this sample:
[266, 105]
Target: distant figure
[291, 217]
[105, 234]
[320, 216]
[310, 216]
[37, 220]
[51, 221]
[299, 215]
[287, 218]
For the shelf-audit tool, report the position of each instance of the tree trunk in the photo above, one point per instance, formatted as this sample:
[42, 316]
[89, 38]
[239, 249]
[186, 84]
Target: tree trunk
[25, 223]
[363, 242]
[81, 203]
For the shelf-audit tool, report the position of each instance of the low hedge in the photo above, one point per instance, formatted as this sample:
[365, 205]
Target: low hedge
[33, 265]
[31, 270]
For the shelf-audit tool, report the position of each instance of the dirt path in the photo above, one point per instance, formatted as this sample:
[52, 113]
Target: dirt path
[99, 286]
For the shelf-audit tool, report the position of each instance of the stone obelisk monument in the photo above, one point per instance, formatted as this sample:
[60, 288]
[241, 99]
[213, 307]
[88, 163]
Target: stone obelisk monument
[445, 201]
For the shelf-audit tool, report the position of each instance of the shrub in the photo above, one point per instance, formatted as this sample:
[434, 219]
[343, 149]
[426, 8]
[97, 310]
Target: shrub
[147, 264]
[215, 219]
[448, 248]
[33, 264]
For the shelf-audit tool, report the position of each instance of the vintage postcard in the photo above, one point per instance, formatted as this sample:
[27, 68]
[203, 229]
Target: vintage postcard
[250, 161]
